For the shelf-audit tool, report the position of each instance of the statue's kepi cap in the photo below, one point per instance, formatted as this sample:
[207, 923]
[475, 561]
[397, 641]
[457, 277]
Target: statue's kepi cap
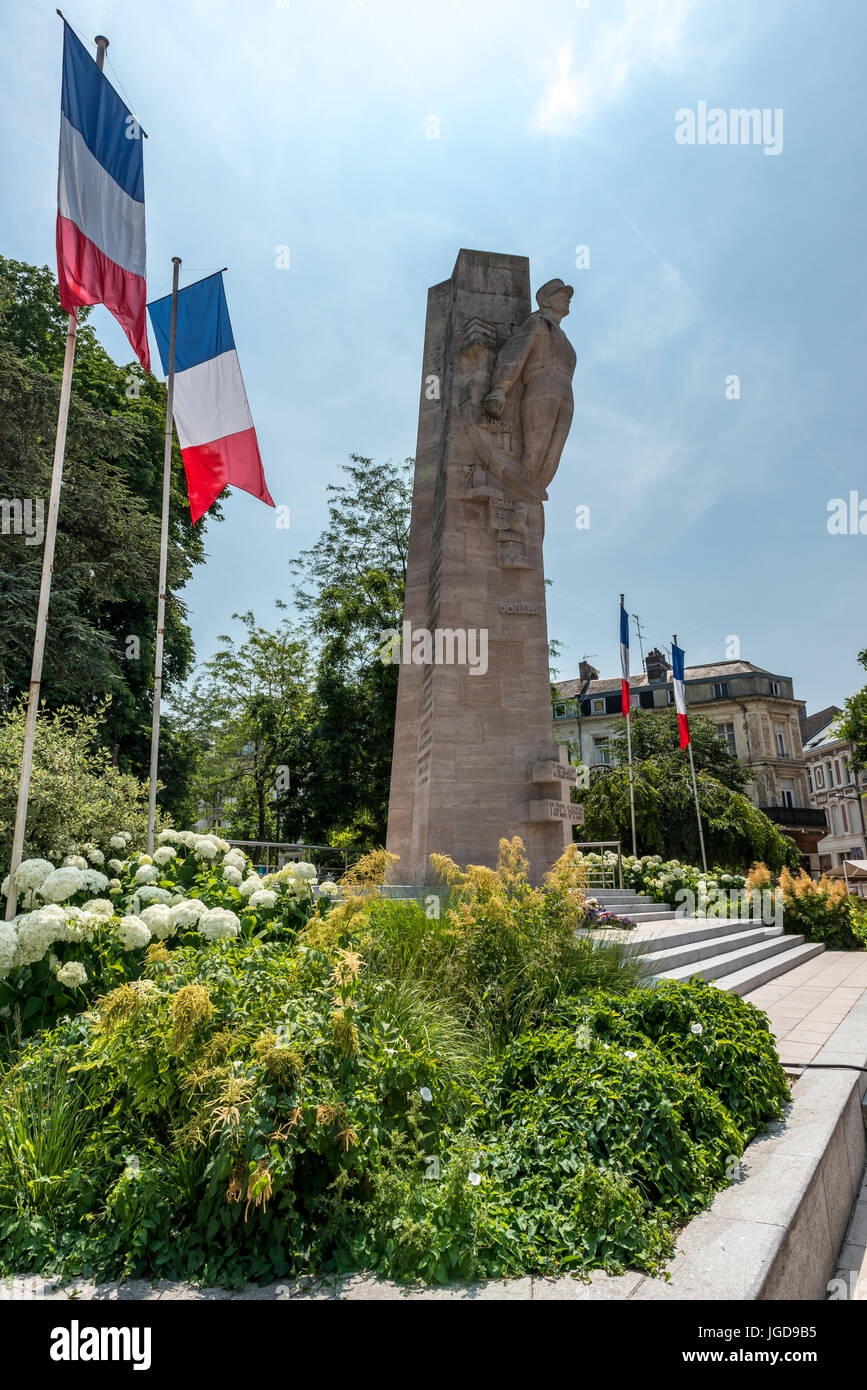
[545, 291]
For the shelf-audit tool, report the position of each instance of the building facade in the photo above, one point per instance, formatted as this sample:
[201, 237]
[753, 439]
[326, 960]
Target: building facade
[836, 790]
[756, 713]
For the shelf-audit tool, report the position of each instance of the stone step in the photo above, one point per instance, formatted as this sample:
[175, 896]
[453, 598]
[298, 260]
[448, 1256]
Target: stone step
[693, 929]
[752, 976]
[672, 954]
[730, 962]
[640, 916]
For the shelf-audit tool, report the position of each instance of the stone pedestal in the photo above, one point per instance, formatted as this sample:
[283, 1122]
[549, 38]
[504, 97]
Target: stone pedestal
[474, 758]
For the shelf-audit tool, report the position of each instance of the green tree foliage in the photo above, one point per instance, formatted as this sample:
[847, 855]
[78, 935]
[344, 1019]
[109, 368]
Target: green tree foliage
[351, 593]
[736, 833]
[76, 792]
[102, 619]
[247, 711]
[853, 724]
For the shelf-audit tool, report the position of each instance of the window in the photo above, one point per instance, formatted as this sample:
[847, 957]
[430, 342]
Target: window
[829, 773]
[597, 706]
[810, 780]
[645, 699]
[601, 752]
[720, 690]
[775, 687]
[838, 772]
[787, 793]
[844, 818]
[856, 853]
[727, 733]
[560, 711]
[614, 704]
[671, 695]
[780, 737]
[820, 779]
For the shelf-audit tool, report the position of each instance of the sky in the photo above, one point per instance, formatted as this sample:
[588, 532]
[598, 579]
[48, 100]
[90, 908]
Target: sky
[718, 315]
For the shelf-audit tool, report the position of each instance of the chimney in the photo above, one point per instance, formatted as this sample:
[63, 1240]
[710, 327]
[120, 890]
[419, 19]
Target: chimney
[656, 666]
[586, 672]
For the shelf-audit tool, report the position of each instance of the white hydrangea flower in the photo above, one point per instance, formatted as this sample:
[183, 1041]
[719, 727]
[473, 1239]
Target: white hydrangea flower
[31, 873]
[223, 846]
[133, 933]
[168, 837]
[150, 893]
[72, 974]
[157, 919]
[93, 854]
[219, 923]
[101, 907]
[117, 842]
[696, 1029]
[62, 883]
[328, 889]
[236, 858]
[263, 897]
[114, 885]
[186, 913]
[205, 848]
[74, 861]
[116, 865]
[232, 875]
[250, 885]
[36, 931]
[305, 871]
[147, 873]
[94, 880]
[8, 943]
[164, 855]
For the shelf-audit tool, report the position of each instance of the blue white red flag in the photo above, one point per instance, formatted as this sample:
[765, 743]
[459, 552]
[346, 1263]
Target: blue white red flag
[100, 198]
[677, 673]
[624, 660]
[213, 420]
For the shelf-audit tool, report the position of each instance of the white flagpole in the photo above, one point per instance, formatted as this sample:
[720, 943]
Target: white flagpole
[45, 587]
[164, 553]
[629, 750]
[695, 788]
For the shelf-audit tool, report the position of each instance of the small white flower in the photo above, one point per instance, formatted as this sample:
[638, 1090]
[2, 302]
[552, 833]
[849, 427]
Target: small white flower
[696, 1028]
[631, 1055]
[474, 1179]
[72, 974]
[426, 1094]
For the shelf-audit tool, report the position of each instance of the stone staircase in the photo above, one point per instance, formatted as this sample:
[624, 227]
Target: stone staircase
[637, 907]
[736, 954]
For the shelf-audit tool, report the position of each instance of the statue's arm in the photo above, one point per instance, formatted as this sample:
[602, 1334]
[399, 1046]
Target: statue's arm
[511, 360]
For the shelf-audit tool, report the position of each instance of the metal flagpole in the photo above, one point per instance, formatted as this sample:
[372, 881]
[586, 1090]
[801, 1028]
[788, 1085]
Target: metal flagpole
[45, 587]
[164, 554]
[629, 750]
[695, 794]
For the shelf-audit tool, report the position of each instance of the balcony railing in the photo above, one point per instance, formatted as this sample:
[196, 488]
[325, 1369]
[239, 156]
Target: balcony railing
[799, 817]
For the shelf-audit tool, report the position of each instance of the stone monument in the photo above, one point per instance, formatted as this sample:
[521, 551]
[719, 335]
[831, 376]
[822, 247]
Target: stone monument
[474, 758]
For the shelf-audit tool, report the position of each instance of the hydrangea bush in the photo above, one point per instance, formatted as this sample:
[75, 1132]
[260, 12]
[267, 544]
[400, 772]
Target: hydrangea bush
[83, 925]
[715, 893]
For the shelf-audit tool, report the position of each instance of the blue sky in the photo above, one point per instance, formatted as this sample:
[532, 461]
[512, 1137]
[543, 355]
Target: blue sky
[306, 125]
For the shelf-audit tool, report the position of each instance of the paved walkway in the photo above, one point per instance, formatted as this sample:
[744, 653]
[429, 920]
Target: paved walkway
[808, 1003]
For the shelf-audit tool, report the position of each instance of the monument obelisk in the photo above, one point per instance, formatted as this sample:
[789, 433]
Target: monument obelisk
[474, 758]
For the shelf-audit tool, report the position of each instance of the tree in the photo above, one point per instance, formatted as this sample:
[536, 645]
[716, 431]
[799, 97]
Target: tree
[248, 713]
[351, 593]
[736, 833]
[102, 618]
[852, 725]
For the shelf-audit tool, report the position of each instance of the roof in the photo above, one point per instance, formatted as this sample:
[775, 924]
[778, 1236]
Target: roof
[813, 724]
[715, 670]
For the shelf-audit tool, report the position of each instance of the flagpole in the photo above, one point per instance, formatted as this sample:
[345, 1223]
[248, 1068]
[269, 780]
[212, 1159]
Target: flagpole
[695, 794]
[164, 555]
[629, 750]
[45, 585]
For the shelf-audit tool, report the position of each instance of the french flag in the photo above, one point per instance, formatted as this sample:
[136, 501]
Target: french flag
[213, 420]
[677, 673]
[624, 659]
[100, 198]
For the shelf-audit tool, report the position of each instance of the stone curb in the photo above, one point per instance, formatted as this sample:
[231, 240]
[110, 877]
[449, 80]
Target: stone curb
[774, 1234]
